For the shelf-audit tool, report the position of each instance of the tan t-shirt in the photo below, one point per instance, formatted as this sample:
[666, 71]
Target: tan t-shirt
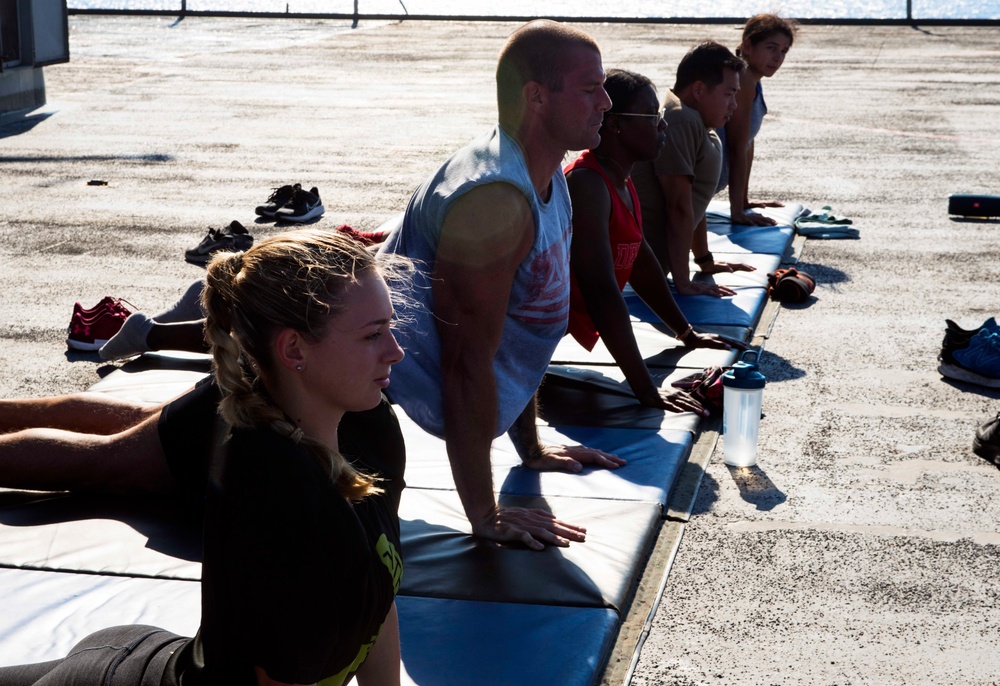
[691, 150]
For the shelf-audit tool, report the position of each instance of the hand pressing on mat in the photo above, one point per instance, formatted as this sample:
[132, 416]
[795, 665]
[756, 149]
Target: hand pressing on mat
[752, 218]
[712, 340]
[535, 528]
[569, 458]
[671, 400]
[726, 267]
[712, 289]
[553, 458]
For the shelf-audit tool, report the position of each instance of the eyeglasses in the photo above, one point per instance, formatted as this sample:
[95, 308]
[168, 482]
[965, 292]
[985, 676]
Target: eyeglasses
[655, 117]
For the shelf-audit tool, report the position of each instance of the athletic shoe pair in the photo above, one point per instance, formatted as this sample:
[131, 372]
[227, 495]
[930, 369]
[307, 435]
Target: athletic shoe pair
[233, 238]
[971, 355]
[292, 204]
[89, 329]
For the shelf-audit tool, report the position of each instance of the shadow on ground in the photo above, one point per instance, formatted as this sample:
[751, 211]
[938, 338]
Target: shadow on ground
[757, 488]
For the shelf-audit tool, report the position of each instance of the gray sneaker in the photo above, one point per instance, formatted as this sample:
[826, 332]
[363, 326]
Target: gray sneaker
[986, 442]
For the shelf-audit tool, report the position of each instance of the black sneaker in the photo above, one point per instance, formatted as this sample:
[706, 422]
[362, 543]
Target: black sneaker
[304, 205]
[233, 238]
[278, 199]
[958, 332]
[240, 234]
[986, 443]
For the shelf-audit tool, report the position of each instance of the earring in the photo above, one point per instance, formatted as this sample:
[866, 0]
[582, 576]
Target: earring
[298, 367]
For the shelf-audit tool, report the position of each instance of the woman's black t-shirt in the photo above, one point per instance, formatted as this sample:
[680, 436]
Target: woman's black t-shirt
[296, 580]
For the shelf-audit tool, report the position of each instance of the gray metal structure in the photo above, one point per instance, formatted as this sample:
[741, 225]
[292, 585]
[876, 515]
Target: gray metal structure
[33, 34]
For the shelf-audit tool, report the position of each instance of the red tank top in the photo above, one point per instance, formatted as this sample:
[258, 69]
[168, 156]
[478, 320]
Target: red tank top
[625, 231]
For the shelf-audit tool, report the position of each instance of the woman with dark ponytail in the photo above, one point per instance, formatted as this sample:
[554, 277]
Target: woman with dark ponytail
[301, 544]
[767, 38]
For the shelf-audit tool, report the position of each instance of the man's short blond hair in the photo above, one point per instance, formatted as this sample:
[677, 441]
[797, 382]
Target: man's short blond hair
[536, 52]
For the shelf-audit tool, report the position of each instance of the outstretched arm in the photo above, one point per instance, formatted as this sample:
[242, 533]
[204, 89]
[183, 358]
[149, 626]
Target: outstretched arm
[567, 458]
[484, 237]
[746, 196]
[592, 262]
[707, 264]
[650, 284]
[683, 236]
[738, 150]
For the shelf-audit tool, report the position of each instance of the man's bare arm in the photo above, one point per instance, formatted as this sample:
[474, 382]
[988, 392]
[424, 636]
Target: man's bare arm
[485, 236]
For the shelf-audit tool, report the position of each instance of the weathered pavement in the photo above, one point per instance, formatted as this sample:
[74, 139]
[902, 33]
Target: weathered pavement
[863, 551]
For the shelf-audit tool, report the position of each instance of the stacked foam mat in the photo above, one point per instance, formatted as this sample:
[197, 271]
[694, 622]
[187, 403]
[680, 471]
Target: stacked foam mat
[471, 612]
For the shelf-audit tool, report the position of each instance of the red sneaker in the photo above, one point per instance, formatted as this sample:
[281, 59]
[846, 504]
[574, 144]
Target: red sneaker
[90, 333]
[106, 304]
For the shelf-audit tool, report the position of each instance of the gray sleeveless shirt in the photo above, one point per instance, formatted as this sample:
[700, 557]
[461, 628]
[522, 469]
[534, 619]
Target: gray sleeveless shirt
[538, 307]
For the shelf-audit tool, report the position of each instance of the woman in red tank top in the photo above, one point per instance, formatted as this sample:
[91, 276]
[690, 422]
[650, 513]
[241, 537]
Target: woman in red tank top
[608, 249]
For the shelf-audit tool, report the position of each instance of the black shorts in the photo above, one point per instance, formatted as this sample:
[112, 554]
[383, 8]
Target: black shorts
[188, 429]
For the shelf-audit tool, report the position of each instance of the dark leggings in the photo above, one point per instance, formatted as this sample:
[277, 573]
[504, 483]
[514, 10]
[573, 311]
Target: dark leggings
[120, 656]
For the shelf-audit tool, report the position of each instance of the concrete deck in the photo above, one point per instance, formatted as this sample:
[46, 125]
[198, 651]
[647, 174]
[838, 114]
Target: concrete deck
[863, 550]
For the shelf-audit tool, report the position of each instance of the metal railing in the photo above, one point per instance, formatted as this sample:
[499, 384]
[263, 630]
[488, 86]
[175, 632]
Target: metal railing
[255, 8]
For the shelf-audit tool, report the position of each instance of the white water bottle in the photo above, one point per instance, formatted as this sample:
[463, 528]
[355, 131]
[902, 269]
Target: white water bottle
[742, 394]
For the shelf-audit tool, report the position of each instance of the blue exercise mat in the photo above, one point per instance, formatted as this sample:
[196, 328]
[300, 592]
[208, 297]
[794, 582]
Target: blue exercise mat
[46, 613]
[757, 239]
[444, 642]
[441, 559]
[566, 404]
[155, 377]
[740, 310]
[100, 535]
[461, 643]
[654, 457]
[718, 218]
[653, 460]
[764, 264]
[726, 237]
[656, 344]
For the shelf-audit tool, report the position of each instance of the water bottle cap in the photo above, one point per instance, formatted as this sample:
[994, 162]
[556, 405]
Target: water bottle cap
[744, 374]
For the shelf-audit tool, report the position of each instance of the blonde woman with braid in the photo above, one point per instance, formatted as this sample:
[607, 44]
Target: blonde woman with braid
[301, 546]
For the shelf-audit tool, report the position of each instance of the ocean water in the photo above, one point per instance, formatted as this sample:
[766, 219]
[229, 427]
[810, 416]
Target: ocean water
[834, 9]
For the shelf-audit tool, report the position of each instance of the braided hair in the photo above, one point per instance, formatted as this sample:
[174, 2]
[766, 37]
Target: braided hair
[292, 280]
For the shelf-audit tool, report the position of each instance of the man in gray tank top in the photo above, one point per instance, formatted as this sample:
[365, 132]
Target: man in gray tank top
[489, 233]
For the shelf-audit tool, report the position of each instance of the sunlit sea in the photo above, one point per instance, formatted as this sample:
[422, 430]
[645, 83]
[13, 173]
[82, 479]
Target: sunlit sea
[830, 9]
